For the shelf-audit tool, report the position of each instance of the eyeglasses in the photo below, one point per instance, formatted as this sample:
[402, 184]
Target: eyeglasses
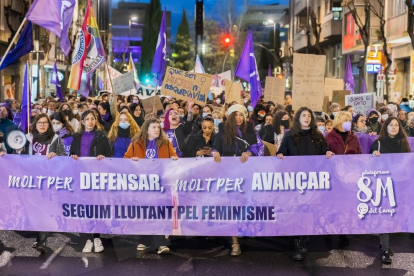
[42, 123]
[362, 121]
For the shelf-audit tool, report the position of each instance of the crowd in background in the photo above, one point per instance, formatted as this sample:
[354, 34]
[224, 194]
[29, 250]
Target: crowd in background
[120, 127]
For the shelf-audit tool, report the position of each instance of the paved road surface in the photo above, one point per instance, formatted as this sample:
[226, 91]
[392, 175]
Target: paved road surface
[201, 256]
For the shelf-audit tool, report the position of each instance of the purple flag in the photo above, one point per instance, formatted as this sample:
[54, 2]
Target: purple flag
[55, 80]
[269, 73]
[55, 16]
[349, 76]
[158, 64]
[26, 107]
[363, 87]
[247, 70]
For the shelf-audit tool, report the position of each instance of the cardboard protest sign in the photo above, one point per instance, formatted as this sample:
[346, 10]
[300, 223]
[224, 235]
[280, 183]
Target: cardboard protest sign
[234, 95]
[308, 81]
[338, 96]
[123, 83]
[325, 106]
[361, 102]
[275, 90]
[332, 84]
[185, 85]
[151, 102]
[114, 74]
[216, 90]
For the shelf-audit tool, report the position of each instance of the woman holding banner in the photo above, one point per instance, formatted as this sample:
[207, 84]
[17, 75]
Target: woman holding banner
[91, 141]
[42, 141]
[237, 137]
[341, 140]
[123, 129]
[304, 138]
[64, 129]
[151, 142]
[202, 143]
[392, 139]
[359, 124]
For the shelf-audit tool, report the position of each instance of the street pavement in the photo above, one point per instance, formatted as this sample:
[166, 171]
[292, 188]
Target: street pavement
[203, 256]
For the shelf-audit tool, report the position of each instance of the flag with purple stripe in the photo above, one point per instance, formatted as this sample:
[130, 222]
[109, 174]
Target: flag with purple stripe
[55, 80]
[247, 70]
[55, 16]
[26, 106]
[158, 64]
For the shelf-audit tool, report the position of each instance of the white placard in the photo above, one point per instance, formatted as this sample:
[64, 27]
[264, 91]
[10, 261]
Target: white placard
[123, 83]
[361, 102]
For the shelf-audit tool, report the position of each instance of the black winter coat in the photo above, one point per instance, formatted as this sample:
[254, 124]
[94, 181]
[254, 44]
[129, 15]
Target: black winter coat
[306, 145]
[100, 145]
[197, 142]
[249, 139]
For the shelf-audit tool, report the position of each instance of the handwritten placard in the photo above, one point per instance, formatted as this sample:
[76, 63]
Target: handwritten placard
[151, 102]
[123, 83]
[361, 102]
[338, 96]
[275, 90]
[234, 94]
[308, 81]
[185, 85]
[332, 84]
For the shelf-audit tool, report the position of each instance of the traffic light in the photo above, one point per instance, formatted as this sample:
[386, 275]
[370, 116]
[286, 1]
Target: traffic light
[227, 40]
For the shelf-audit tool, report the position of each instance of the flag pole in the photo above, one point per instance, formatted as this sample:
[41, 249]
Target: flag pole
[28, 98]
[110, 79]
[12, 42]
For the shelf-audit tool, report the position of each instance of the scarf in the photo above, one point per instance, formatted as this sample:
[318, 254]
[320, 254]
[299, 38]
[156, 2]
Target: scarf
[44, 138]
[62, 132]
[105, 117]
[124, 133]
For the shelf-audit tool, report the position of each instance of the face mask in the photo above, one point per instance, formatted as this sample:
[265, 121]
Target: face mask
[261, 114]
[49, 112]
[285, 123]
[75, 112]
[347, 126]
[373, 120]
[66, 112]
[44, 110]
[334, 113]
[80, 113]
[162, 124]
[245, 101]
[124, 125]
[321, 128]
[217, 122]
[384, 117]
[218, 101]
[135, 101]
[250, 108]
[181, 116]
[205, 114]
[57, 127]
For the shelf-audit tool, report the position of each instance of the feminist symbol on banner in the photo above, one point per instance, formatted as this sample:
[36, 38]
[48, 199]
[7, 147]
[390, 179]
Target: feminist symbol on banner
[150, 153]
[362, 210]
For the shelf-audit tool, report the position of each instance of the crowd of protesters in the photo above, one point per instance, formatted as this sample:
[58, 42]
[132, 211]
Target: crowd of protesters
[120, 127]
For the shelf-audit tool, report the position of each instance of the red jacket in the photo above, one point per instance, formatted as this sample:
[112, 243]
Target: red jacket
[336, 143]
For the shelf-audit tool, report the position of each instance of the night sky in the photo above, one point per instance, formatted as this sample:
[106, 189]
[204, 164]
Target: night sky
[211, 7]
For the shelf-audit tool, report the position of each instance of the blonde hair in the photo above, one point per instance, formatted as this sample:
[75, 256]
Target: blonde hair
[340, 118]
[133, 130]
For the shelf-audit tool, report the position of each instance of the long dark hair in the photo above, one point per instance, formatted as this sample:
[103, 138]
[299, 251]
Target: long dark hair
[277, 119]
[50, 132]
[295, 130]
[230, 129]
[401, 136]
[59, 116]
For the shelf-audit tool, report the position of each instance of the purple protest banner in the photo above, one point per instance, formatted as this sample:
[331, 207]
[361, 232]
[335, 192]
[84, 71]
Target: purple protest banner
[365, 141]
[266, 196]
